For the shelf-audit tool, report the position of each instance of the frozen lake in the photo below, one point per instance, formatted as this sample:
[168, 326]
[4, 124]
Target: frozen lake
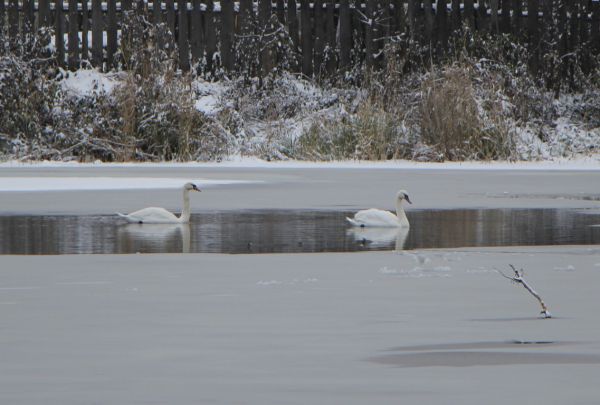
[297, 231]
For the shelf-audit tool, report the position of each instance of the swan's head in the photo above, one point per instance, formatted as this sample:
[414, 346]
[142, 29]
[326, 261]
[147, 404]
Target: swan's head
[190, 187]
[403, 195]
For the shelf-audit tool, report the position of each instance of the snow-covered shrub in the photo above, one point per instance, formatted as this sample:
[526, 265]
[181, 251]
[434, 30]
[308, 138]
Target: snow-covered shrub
[27, 94]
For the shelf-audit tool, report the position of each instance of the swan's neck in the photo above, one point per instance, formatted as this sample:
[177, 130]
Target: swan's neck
[185, 213]
[401, 214]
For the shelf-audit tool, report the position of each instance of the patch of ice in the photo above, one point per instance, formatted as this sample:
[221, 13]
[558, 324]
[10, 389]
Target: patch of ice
[102, 183]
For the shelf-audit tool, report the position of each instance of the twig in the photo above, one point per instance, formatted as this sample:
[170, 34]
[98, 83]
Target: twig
[518, 278]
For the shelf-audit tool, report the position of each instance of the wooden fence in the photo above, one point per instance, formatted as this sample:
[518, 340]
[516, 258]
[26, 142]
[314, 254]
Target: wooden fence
[325, 35]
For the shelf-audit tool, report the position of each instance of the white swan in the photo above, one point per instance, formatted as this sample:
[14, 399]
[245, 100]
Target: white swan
[380, 218]
[156, 215]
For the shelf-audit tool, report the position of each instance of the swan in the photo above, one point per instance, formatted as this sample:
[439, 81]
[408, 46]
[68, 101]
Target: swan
[380, 218]
[156, 215]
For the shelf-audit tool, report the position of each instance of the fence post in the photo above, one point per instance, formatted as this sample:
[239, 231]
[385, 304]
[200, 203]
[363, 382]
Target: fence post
[96, 33]
[306, 38]
[59, 41]
[73, 46]
[227, 31]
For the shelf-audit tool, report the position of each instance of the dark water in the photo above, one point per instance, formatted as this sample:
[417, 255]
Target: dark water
[296, 231]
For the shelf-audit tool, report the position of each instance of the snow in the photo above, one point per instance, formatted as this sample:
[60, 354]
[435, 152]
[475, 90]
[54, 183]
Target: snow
[84, 83]
[208, 96]
[101, 183]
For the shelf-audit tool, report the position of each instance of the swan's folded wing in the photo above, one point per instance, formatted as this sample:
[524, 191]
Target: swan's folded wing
[375, 217]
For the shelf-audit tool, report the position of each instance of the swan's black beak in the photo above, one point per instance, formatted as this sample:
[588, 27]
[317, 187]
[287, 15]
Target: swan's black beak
[407, 199]
[195, 188]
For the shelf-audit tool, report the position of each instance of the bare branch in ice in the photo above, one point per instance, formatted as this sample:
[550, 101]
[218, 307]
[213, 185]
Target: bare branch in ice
[518, 278]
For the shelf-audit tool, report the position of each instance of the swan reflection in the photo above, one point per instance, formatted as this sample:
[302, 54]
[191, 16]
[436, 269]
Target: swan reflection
[380, 237]
[155, 238]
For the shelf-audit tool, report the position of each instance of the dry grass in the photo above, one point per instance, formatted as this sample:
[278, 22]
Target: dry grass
[455, 125]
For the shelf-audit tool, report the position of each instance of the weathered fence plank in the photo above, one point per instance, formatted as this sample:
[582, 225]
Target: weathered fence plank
[456, 15]
[170, 8]
[505, 19]
[59, 40]
[319, 34]
[227, 30]
[345, 34]
[595, 26]
[293, 24]
[331, 62]
[443, 32]
[29, 22]
[85, 29]
[111, 34]
[2, 14]
[494, 21]
[210, 35]
[97, 28]
[182, 35]
[469, 13]
[280, 4]
[196, 32]
[13, 20]
[533, 34]
[73, 46]
[306, 38]
[428, 19]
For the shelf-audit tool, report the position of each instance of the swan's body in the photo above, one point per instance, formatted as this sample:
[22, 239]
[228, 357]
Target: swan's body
[157, 215]
[380, 218]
